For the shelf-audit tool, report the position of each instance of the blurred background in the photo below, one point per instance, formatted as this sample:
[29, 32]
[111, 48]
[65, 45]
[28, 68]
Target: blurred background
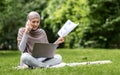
[98, 21]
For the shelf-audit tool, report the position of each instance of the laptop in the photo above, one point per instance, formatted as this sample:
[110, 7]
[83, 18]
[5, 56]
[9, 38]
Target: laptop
[44, 50]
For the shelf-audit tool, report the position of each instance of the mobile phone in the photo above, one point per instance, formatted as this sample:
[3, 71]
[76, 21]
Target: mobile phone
[28, 21]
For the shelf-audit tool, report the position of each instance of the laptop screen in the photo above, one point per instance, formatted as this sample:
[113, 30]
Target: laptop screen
[44, 50]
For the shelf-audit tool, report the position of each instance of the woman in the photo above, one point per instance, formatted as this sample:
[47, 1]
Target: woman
[31, 34]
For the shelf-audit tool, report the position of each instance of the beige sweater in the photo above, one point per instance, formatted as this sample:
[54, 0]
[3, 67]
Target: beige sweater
[26, 41]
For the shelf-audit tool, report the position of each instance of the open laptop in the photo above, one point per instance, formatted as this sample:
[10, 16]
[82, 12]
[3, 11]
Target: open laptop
[44, 50]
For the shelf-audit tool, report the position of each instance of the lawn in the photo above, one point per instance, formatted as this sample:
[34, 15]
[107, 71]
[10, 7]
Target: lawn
[9, 59]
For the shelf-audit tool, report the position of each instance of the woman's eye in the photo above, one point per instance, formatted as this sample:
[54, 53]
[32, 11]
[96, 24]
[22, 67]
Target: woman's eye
[37, 21]
[33, 21]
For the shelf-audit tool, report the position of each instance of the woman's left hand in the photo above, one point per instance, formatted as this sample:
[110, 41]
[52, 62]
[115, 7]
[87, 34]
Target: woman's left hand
[59, 40]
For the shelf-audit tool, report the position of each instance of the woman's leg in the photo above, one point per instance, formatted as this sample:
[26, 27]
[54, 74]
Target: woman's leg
[57, 59]
[31, 61]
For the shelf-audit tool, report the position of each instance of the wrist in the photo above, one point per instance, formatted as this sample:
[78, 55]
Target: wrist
[56, 42]
[27, 31]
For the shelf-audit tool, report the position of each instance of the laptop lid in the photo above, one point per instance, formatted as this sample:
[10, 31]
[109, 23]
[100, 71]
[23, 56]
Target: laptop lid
[44, 50]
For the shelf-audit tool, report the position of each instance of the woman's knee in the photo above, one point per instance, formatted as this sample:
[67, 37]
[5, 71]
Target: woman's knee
[25, 57]
[58, 57]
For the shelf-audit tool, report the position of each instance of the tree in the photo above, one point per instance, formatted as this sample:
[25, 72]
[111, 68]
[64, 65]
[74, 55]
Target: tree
[59, 11]
[104, 29]
[13, 16]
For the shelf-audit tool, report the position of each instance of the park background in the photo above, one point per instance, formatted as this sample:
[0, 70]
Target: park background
[97, 37]
[98, 21]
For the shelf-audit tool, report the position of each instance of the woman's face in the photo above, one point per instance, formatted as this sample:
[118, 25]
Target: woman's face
[34, 23]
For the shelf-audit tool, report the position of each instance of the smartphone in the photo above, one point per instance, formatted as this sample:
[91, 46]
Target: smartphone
[28, 21]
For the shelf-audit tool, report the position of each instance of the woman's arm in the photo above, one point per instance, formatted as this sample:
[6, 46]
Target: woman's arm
[23, 42]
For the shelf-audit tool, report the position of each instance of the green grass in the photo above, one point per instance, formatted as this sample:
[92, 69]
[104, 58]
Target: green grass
[9, 59]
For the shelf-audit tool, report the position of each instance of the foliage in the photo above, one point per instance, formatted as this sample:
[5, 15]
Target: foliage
[104, 29]
[13, 16]
[59, 11]
[98, 21]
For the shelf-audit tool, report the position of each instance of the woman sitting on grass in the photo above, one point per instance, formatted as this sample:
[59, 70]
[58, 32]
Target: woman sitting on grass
[31, 34]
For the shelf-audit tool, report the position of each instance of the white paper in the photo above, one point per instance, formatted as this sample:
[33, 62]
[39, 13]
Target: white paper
[67, 28]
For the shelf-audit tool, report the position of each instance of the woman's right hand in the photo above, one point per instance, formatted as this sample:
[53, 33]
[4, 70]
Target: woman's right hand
[28, 27]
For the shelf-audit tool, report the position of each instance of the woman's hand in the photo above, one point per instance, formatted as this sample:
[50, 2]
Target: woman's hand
[59, 40]
[28, 27]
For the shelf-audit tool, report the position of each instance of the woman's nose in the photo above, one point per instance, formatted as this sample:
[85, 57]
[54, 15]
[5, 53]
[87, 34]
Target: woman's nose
[36, 24]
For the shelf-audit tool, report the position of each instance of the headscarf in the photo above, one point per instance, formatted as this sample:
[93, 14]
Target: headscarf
[32, 15]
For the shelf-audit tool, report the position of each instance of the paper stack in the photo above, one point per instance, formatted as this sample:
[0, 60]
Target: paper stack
[67, 28]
